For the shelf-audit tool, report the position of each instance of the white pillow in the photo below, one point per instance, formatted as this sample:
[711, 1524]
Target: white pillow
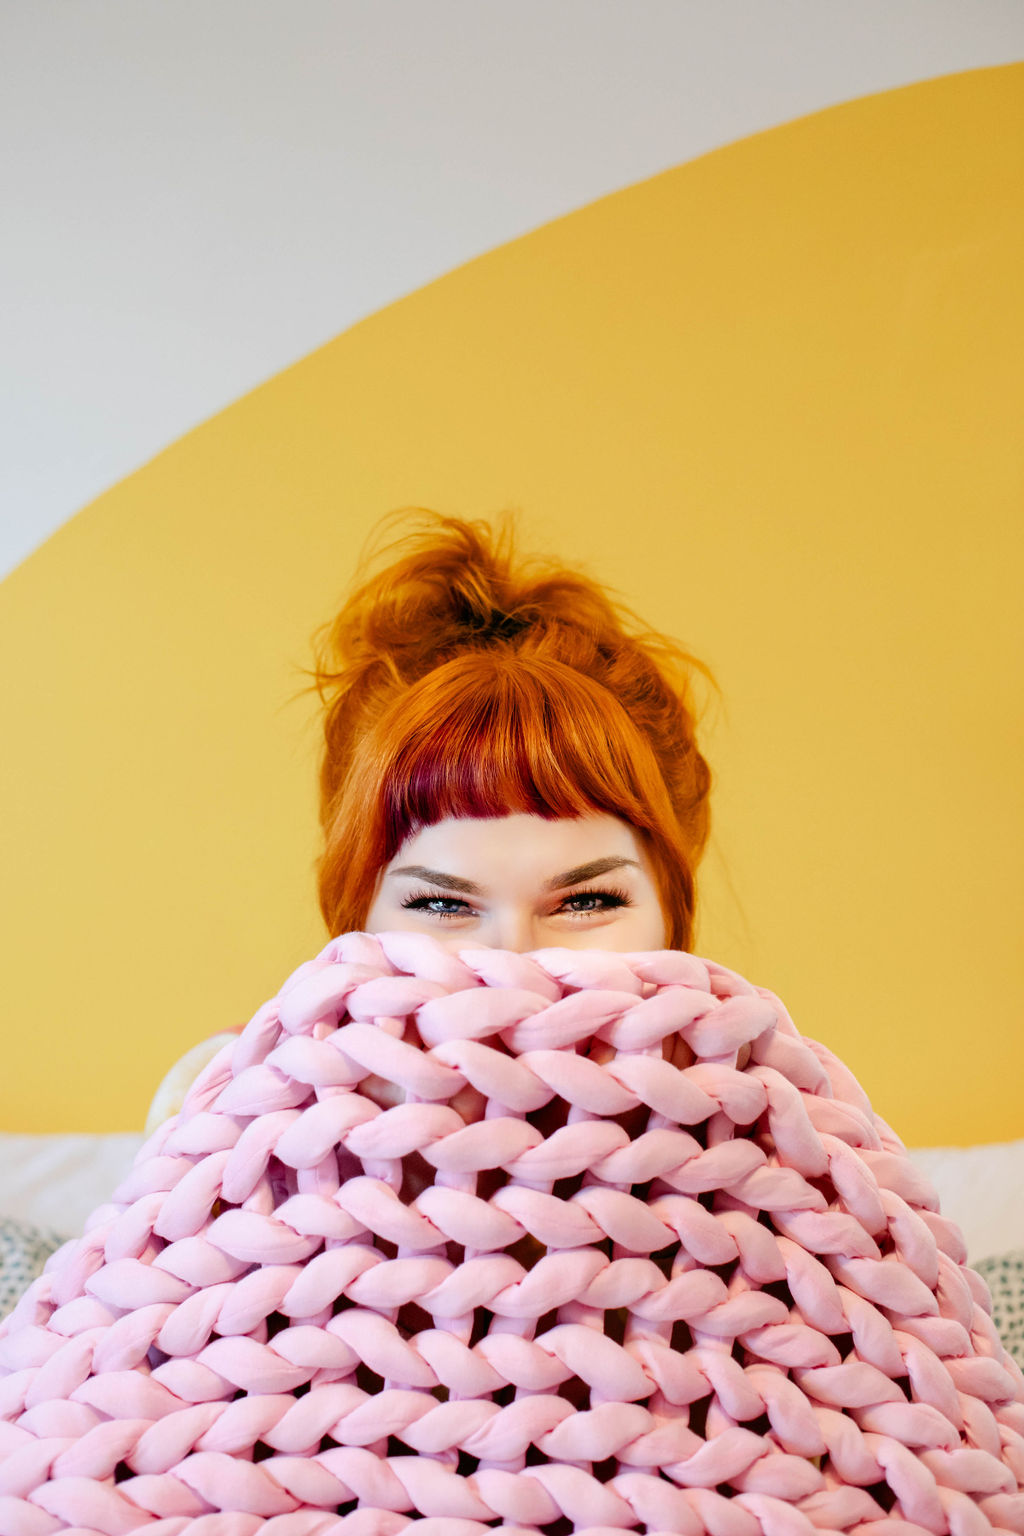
[57, 1181]
[982, 1189]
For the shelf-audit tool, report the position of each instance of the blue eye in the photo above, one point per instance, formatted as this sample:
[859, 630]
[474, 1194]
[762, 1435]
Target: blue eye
[436, 906]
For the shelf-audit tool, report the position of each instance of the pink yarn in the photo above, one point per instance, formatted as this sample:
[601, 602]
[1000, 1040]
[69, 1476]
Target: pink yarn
[562, 1284]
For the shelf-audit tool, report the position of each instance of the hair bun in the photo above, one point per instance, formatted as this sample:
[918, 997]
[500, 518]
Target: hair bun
[450, 584]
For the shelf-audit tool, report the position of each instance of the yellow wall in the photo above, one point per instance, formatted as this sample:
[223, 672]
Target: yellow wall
[775, 397]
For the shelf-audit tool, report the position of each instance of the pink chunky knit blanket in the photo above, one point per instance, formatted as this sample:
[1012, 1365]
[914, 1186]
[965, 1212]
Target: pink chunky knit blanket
[625, 1253]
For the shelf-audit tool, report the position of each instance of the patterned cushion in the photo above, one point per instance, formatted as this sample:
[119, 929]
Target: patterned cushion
[24, 1250]
[1004, 1276]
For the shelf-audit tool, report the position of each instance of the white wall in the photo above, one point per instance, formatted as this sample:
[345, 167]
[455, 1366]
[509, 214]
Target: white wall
[195, 194]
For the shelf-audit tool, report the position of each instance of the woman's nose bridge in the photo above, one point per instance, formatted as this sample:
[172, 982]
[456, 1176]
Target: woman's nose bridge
[514, 927]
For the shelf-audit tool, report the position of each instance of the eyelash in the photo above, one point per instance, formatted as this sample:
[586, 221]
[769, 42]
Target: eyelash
[612, 897]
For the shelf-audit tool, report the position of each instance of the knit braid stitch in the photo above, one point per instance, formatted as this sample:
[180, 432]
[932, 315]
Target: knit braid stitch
[510, 1242]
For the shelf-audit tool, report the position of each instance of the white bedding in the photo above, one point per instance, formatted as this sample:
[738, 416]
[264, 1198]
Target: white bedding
[55, 1181]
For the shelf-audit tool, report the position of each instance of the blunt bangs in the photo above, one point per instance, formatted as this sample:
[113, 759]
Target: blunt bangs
[490, 735]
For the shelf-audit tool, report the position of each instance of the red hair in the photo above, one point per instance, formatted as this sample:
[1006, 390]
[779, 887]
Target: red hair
[462, 682]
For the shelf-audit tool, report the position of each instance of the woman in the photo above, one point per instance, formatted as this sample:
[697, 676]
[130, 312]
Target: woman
[509, 759]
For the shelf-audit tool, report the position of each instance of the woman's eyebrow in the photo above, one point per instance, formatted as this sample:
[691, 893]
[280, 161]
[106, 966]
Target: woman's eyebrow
[438, 877]
[588, 872]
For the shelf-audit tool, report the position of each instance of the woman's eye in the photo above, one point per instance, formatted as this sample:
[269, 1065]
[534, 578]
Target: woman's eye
[437, 906]
[594, 901]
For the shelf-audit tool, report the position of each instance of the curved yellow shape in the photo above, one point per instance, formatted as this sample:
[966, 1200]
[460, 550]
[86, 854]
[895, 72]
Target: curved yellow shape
[775, 395]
